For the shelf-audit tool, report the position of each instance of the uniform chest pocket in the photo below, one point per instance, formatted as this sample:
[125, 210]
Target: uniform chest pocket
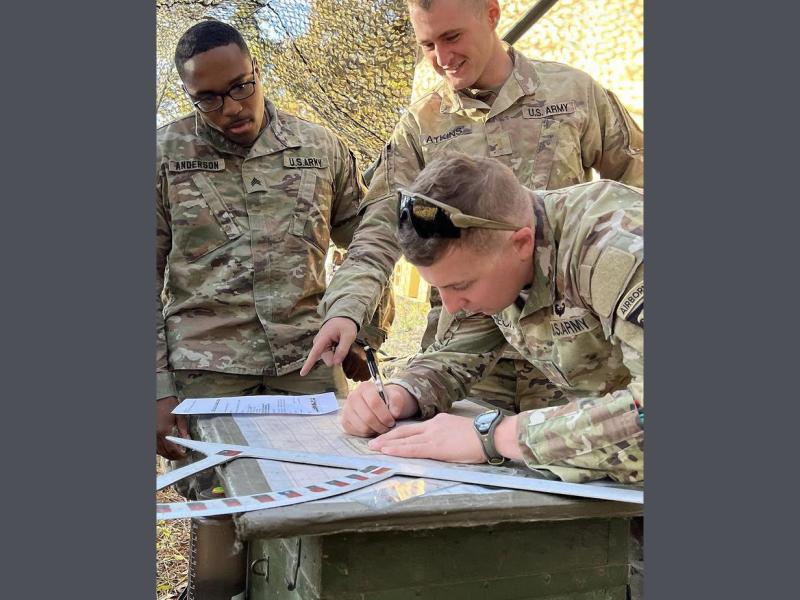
[570, 349]
[310, 219]
[546, 152]
[201, 220]
[581, 352]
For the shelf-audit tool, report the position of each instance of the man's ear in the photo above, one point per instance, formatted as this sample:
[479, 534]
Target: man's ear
[493, 10]
[522, 243]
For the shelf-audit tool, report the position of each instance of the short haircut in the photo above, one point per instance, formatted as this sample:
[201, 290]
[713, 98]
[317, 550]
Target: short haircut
[205, 36]
[477, 186]
[478, 5]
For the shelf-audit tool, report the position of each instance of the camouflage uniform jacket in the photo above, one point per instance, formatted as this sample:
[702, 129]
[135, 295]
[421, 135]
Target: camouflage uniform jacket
[241, 240]
[550, 123]
[581, 323]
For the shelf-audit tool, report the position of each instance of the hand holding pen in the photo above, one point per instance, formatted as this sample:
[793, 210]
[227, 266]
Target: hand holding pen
[371, 408]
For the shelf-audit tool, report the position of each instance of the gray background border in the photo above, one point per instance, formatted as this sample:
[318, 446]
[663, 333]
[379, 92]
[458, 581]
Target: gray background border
[78, 123]
[78, 291]
[719, 344]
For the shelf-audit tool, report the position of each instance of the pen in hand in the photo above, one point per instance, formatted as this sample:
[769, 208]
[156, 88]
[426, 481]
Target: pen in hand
[372, 364]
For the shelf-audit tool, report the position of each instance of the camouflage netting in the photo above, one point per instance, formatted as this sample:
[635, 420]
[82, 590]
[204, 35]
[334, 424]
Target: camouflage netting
[349, 64]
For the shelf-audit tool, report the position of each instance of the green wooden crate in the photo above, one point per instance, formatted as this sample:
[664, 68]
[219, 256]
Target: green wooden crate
[581, 559]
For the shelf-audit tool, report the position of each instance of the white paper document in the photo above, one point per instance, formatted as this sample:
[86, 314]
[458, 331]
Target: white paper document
[324, 435]
[312, 404]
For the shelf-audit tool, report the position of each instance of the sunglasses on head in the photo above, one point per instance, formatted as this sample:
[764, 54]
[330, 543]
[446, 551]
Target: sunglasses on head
[431, 218]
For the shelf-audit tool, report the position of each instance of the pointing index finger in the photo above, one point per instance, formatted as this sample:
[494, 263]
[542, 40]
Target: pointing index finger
[317, 348]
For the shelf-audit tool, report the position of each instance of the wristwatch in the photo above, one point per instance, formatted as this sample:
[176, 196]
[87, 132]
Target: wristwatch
[485, 424]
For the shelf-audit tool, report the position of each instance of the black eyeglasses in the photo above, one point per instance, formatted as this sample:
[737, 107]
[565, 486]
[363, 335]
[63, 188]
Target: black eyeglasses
[431, 218]
[212, 102]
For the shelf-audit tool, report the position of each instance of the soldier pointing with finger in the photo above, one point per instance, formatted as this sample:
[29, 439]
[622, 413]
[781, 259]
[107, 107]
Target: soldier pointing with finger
[552, 125]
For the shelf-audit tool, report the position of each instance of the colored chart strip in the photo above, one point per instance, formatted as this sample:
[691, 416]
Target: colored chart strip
[239, 504]
[476, 474]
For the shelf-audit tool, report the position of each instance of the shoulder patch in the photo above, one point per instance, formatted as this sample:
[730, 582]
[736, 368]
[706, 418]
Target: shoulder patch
[611, 273]
[305, 162]
[631, 307]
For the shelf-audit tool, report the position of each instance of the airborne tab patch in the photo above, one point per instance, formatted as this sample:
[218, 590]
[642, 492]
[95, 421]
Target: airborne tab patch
[548, 110]
[305, 162]
[631, 307]
[631, 301]
[426, 139]
[197, 164]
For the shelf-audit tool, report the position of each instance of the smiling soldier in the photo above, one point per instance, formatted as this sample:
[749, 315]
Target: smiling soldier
[552, 125]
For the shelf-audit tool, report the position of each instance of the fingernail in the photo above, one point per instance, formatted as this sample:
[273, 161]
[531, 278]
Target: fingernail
[372, 445]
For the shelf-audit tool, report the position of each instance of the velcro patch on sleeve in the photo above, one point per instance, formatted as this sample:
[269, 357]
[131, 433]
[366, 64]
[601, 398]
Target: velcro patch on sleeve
[610, 275]
[305, 162]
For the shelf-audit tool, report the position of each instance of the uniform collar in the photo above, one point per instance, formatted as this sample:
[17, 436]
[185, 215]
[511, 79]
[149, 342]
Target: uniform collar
[523, 81]
[275, 137]
[542, 290]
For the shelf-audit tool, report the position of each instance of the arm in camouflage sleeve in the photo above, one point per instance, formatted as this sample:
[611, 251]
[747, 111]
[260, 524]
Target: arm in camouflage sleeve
[356, 288]
[345, 219]
[613, 143]
[468, 347]
[165, 385]
[596, 437]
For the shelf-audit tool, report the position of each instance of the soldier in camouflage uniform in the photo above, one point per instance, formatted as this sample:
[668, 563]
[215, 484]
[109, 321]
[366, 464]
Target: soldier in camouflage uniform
[247, 200]
[562, 283]
[550, 123]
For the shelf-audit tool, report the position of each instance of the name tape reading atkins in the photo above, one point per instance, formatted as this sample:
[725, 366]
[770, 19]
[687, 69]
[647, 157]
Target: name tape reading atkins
[449, 135]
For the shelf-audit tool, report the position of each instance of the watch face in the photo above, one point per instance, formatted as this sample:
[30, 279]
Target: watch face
[484, 421]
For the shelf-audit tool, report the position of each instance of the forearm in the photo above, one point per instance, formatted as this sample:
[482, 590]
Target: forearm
[356, 289]
[437, 379]
[618, 146]
[165, 385]
[593, 437]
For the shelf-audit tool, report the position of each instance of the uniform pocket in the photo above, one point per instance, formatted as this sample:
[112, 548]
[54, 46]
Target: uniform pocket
[545, 154]
[201, 221]
[311, 217]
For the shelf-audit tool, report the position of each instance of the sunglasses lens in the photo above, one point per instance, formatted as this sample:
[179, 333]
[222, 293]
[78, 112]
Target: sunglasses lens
[428, 220]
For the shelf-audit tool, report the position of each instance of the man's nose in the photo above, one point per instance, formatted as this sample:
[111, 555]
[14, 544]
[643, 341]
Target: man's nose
[230, 107]
[451, 301]
[442, 56]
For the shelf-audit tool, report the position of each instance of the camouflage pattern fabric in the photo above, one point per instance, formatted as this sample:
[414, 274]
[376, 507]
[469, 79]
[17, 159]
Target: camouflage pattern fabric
[241, 240]
[513, 385]
[581, 326]
[550, 123]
